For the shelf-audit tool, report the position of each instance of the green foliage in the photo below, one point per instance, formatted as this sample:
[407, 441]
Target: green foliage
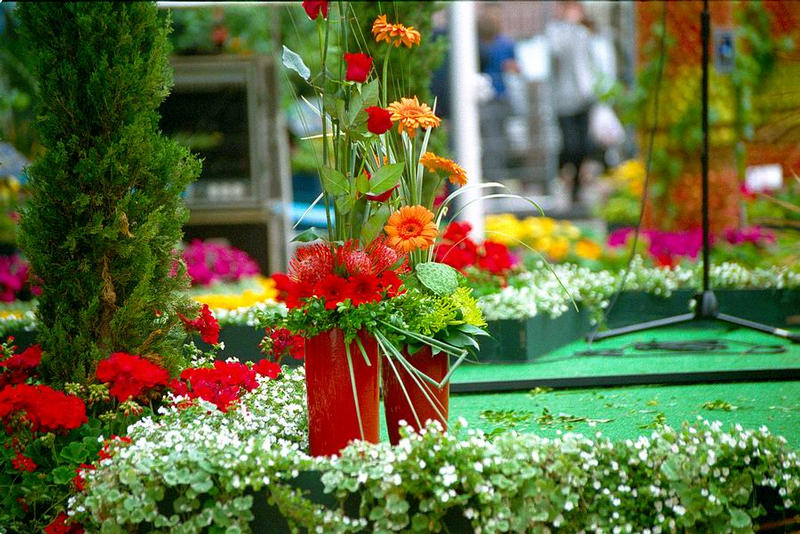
[105, 211]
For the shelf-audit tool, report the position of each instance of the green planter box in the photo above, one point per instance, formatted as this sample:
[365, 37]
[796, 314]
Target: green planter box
[520, 340]
[775, 307]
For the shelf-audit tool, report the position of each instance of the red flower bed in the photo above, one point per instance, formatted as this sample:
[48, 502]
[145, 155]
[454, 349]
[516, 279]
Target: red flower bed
[130, 376]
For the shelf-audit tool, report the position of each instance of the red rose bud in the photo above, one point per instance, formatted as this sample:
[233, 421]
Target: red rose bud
[315, 7]
[358, 67]
[379, 120]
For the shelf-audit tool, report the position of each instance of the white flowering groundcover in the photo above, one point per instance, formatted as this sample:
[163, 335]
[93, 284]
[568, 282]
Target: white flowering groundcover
[200, 470]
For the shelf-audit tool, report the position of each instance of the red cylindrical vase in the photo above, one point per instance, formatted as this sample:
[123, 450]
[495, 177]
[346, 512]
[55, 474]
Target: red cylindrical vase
[433, 403]
[332, 414]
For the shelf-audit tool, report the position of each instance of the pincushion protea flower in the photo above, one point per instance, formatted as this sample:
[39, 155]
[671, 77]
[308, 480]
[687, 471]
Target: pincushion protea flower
[412, 115]
[411, 228]
[396, 34]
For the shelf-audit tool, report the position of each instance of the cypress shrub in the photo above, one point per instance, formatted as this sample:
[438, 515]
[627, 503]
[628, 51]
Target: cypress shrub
[105, 210]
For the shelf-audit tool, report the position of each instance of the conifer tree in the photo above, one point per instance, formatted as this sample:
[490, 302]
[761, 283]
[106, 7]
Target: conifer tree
[105, 210]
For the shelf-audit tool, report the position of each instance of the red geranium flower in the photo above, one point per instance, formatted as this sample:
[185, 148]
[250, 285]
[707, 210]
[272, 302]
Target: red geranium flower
[457, 256]
[206, 324]
[379, 120]
[19, 367]
[283, 342]
[79, 482]
[333, 289]
[130, 376]
[363, 288]
[358, 67]
[22, 463]
[46, 409]
[267, 368]
[221, 384]
[63, 525]
[315, 7]
[496, 258]
[457, 231]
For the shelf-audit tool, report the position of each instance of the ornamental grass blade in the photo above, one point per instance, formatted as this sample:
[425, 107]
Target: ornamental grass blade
[355, 389]
[400, 381]
[308, 209]
[413, 373]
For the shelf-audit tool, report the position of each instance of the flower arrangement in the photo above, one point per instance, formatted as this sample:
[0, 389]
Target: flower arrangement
[373, 271]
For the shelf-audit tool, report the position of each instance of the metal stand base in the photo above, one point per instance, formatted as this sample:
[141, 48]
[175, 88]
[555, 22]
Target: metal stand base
[705, 309]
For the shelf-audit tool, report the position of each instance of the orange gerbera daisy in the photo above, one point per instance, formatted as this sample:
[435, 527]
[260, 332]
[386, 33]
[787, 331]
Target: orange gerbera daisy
[395, 34]
[456, 173]
[412, 115]
[410, 228]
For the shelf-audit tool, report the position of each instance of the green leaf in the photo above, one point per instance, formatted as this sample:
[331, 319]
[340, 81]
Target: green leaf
[385, 177]
[306, 236]
[369, 93]
[334, 182]
[63, 474]
[362, 183]
[739, 518]
[472, 330]
[374, 224]
[292, 60]
[75, 452]
[344, 203]
[437, 277]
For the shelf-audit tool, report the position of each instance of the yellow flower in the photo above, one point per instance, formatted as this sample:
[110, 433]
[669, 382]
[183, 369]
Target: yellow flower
[218, 301]
[412, 115]
[457, 173]
[504, 228]
[559, 247]
[396, 34]
[588, 249]
[411, 228]
[536, 227]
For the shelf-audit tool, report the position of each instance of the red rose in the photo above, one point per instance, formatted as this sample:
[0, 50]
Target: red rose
[267, 368]
[315, 7]
[379, 120]
[358, 67]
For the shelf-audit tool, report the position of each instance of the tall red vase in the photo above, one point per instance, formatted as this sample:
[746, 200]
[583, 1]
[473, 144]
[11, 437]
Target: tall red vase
[395, 402]
[332, 415]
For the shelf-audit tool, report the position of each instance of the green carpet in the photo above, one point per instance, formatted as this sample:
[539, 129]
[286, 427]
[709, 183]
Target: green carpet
[628, 412]
[562, 363]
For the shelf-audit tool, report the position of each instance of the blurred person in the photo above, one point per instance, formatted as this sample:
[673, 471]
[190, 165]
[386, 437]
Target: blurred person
[573, 75]
[497, 60]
